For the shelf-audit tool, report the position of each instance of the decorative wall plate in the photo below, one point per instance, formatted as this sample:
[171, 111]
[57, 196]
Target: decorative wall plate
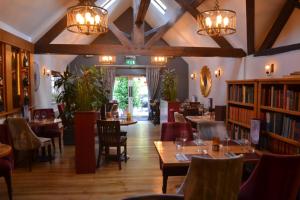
[205, 81]
[36, 76]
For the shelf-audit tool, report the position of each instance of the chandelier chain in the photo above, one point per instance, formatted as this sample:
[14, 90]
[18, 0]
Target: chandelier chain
[217, 6]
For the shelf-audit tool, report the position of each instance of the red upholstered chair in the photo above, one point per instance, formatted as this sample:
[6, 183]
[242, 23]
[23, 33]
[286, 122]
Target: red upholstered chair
[50, 131]
[275, 177]
[172, 130]
[6, 164]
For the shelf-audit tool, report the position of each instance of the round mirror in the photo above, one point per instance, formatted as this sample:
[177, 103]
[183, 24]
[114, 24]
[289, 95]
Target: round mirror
[205, 81]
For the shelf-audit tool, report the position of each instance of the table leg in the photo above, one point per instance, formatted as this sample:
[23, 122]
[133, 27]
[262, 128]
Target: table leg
[165, 182]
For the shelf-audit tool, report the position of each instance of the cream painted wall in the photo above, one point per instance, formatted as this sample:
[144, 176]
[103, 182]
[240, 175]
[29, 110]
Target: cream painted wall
[232, 69]
[284, 64]
[43, 97]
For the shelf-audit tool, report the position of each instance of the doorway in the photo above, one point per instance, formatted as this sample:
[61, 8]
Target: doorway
[131, 92]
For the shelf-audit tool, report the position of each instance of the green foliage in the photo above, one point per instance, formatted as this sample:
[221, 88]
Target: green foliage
[169, 84]
[81, 93]
[121, 93]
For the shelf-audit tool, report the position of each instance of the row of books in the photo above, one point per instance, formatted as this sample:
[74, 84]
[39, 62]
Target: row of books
[241, 93]
[237, 132]
[293, 100]
[272, 96]
[241, 115]
[281, 124]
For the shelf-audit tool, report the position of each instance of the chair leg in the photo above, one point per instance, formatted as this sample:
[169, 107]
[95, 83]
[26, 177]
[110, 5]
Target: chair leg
[99, 155]
[119, 156]
[49, 153]
[125, 152]
[53, 144]
[9, 185]
[59, 143]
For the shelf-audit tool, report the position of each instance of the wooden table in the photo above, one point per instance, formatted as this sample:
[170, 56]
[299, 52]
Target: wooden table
[46, 122]
[4, 150]
[172, 167]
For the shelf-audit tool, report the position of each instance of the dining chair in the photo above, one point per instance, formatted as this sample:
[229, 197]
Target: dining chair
[213, 179]
[24, 139]
[275, 177]
[109, 135]
[207, 179]
[172, 130]
[51, 131]
[6, 163]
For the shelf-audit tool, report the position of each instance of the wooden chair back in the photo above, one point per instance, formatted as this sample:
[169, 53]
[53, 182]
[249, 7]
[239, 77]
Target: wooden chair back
[109, 132]
[213, 179]
[23, 137]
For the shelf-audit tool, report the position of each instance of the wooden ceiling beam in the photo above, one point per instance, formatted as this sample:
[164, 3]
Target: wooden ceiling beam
[120, 35]
[197, 3]
[278, 25]
[278, 50]
[16, 41]
[100, 49]
[250, 11]
[163, 29]
[221, 41]
[142, 10]
[48, 37]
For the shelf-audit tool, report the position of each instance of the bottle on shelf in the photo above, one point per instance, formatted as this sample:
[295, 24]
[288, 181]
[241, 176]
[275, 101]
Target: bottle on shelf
[1, 103]
[25, 60]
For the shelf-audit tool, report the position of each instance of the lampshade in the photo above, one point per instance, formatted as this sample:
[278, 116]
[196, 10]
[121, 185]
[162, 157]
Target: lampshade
[159, 60]
[107, 60]
[216, 22]
[87, 18]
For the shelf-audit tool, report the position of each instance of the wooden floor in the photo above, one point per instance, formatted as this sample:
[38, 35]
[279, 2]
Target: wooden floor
[140, 175]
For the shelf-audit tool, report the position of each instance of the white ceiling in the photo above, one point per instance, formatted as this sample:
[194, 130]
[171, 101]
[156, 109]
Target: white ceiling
[30, 19]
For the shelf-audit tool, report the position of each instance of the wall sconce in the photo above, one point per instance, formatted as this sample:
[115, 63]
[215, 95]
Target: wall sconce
[193, 76]
[269, 69]
[218, 73]
[107, 60]
[46, 72]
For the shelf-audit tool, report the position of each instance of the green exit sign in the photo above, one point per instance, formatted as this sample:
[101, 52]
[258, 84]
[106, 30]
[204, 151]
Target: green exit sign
[130, 60]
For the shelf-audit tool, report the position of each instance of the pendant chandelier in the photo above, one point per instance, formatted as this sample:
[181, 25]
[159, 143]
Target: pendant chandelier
[159, 60]
[87, 18]
[217, 22]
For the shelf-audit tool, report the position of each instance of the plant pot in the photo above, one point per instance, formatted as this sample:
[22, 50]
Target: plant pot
[69, 135]
[85, 158]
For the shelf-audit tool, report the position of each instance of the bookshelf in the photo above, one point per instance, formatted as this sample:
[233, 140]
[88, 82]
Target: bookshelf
[2, 80]
[241, 106]
[279, 111]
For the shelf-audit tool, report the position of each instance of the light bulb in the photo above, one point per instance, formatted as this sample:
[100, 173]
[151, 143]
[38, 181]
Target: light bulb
[92, 21]
[81, 20]
[87, 16]
[208, 22]
[219, 20]
[226, 21]
[78, 17]
[97, 19]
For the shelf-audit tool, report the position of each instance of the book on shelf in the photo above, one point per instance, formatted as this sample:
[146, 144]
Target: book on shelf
[272, 96]
[241, 115]
[237, 132]
[281, 124]
[293, 100]
[241, 93]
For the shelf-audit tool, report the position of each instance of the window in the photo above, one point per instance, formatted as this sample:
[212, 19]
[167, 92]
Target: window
[107, 4]
[161, 7]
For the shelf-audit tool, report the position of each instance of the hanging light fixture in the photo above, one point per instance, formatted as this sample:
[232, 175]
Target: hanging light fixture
[107, 60]
[159, 60]
[217, 22]
[87, 18]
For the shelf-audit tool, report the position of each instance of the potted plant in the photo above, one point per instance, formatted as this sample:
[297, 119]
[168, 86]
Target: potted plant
[169, 90]
[83, 97]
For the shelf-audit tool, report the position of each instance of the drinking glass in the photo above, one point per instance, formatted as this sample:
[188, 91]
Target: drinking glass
[179, 144]
[36, 117]
[198, 141]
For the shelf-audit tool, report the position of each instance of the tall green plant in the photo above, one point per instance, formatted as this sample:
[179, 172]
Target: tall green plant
[81, 93]
[169, 83]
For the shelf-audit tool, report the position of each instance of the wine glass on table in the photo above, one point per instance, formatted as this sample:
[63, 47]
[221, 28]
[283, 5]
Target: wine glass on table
[198, 140]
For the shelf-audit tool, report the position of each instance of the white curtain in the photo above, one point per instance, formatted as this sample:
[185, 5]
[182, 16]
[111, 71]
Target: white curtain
[152, 77]
[109, 80]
